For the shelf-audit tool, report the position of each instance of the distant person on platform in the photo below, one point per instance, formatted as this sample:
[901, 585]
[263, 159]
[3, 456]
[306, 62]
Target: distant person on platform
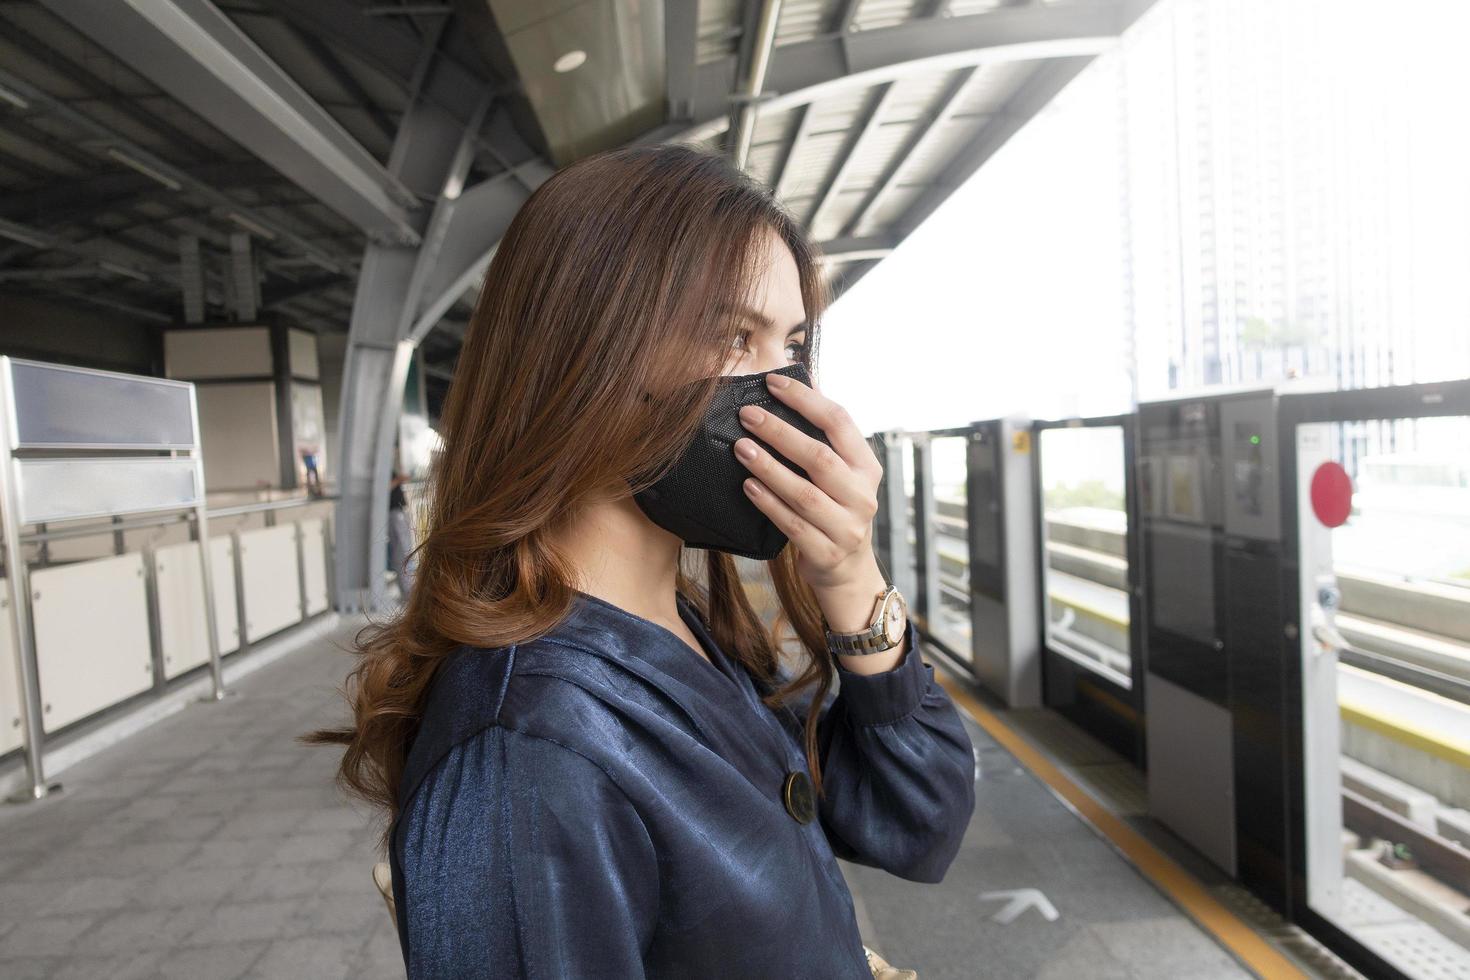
[400, 533]
[313, 475]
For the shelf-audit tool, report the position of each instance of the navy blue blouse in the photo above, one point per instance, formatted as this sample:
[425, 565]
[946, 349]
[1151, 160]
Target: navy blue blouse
[601, 802]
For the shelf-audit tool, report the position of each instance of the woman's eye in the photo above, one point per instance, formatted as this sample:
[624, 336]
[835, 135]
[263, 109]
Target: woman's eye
[796, 351]
[742, 342]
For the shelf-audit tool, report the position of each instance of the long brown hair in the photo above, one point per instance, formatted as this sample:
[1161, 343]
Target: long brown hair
[593, 350]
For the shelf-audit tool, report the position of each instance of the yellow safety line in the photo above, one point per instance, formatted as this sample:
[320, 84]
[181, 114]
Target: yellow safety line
[1196, 901]
[1429, 742]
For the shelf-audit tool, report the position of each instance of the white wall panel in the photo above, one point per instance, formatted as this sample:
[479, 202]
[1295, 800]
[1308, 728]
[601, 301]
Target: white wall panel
[217, 352]
[70, 489]
[301, 346]
[272, 580]
[12, 732]
[91, 623]
[237, 430]
[314, 564]
[181, 617]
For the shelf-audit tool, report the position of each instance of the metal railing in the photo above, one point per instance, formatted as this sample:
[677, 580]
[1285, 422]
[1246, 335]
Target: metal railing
[116, 527]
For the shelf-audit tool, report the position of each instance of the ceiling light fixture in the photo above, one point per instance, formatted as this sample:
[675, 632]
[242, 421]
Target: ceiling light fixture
[251, 225]
[124, 270]
[570, 61]
[15, 99]
[153, 173]
[18, 233]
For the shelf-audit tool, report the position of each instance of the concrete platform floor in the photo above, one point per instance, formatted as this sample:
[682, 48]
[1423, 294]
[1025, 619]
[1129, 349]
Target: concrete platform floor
[213, 846]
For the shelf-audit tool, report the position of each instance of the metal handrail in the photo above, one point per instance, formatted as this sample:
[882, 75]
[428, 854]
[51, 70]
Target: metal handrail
[1434, 681]
[163, 520]
[265, 505]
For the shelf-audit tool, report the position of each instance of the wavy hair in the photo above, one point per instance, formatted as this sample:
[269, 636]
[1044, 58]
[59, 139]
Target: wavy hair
[593, 351]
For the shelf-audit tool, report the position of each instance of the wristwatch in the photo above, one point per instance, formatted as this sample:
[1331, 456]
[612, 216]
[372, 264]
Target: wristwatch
[885, 632]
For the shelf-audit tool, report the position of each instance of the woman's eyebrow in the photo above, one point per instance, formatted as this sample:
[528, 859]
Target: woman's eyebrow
[762, 319]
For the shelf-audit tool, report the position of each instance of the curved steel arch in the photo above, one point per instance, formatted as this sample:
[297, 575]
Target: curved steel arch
[807, 71]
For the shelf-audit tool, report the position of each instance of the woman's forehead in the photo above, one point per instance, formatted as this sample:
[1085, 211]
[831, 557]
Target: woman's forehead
[775, 292]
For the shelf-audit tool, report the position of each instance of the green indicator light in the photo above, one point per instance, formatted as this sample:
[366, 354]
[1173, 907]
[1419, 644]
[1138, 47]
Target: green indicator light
[1255, 440]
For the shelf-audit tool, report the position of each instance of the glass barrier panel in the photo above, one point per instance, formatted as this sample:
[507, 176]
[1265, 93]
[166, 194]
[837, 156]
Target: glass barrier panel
[1384, 516]
[950, 623]
[1085, 541]
[908, 576]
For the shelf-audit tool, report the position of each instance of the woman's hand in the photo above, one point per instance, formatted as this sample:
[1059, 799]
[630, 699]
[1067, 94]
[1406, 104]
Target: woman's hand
[828, 517]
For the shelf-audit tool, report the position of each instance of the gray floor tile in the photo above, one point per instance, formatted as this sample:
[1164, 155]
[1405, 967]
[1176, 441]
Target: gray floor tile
[52, 935]
[236, 922]
[225, 961]
[322, 958]
[213, 846]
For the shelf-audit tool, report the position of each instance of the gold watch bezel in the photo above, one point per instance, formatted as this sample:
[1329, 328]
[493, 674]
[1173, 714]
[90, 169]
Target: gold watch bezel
[892, 596]
[875, 638]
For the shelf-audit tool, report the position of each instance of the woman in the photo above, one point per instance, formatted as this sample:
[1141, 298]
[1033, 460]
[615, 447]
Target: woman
[593, 760]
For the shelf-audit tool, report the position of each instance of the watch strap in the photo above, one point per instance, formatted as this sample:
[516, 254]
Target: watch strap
[874, 639]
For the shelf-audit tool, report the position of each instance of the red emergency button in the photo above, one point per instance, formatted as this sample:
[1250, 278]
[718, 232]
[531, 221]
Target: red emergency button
[1332, 494]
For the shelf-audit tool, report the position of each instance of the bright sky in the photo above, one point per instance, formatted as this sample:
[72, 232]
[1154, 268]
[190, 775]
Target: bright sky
[1008, 299]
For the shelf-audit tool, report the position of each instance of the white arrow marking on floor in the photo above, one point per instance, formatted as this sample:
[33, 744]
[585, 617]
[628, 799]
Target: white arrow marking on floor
[1020, 900]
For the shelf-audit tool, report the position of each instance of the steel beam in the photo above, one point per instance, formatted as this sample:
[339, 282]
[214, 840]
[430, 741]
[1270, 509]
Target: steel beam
[104, 138]
[93, 298]
[754, 80]
[784, 176]
[681, 49]
[470, 235]
[1032, 95]
[36, 238]
[397, 52]
[836, 251]
[845, 14]
[59, 59]
[400, 292]
[948, 104]
[809, 70]
[198, 56]
[347, 81]
[853, 152]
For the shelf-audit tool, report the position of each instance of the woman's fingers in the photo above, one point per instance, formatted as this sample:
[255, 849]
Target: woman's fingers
[825, 466]
[829, 416]
[829, 512]
[799, 494]
[809, 539]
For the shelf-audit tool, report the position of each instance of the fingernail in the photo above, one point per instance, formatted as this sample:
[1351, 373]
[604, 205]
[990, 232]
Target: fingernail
[752, 415]
[745, 449]
[777, 380]
[751, 488]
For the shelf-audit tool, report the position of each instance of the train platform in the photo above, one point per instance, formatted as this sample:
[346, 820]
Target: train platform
[211, 845]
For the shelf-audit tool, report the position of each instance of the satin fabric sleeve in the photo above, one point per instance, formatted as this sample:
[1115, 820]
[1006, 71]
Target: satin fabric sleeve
[526, 860]
[898, 768]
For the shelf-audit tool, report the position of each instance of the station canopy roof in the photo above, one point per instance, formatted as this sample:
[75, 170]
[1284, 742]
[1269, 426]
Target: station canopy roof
[136, 139]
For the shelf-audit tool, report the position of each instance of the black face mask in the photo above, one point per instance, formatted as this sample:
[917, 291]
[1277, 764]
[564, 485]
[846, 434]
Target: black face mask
[701, 499]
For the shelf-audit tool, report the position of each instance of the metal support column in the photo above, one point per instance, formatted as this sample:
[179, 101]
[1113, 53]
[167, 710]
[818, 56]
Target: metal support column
[925, 546]
[206, 569]
[18, 588]
[401, 293]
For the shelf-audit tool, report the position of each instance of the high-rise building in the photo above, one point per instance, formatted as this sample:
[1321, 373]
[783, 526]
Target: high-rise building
[1292, 193]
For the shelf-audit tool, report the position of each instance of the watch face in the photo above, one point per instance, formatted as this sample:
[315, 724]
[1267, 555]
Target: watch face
[894, 619]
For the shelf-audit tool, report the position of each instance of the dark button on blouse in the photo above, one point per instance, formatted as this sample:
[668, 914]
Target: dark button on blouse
[796, 793]
[601, 803]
